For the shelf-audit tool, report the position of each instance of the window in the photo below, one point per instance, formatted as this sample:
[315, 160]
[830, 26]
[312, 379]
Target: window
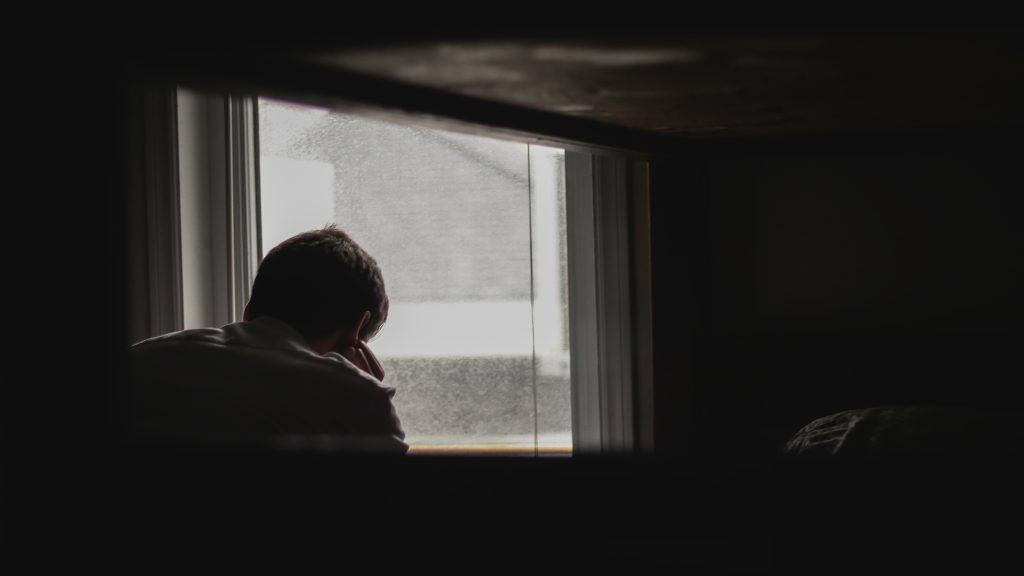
[470, 234]
[547, 243]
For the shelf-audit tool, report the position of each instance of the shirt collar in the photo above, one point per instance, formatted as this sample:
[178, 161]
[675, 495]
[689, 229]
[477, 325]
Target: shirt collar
[269, 332]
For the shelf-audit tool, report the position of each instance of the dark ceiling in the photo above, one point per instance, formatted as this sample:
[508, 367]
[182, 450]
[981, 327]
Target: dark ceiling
[728, 85]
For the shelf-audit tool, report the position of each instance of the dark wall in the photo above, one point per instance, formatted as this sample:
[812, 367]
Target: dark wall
[789, 286]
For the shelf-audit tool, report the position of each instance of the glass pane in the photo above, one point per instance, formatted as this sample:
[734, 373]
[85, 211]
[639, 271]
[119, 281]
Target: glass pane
[448, 217]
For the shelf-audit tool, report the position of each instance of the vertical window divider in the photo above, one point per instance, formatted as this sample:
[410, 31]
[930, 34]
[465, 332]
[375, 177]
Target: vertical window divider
[533, 304]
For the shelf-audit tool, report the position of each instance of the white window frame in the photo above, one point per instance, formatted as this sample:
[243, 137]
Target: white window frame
[608, 221]
[607, 212]
[219, 194]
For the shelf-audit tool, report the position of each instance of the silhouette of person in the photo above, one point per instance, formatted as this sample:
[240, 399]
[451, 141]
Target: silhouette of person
[296, 372]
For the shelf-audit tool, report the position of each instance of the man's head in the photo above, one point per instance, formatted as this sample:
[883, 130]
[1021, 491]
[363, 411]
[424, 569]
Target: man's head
[319, 282]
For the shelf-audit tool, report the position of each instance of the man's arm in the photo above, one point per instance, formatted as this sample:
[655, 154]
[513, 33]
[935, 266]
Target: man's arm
[396, 434]
[387, 425]
[364, 358]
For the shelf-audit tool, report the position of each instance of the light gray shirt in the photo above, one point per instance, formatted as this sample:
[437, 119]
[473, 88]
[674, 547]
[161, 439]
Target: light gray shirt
[256, 383]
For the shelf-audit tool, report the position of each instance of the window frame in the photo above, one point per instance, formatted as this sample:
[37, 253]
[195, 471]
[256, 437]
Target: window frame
[608, 219]
[216, 205]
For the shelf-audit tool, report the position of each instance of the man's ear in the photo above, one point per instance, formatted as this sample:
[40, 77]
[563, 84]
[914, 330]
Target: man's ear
[362, 322]
[245, 313]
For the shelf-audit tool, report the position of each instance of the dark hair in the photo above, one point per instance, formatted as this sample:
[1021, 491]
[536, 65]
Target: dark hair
[320, 281]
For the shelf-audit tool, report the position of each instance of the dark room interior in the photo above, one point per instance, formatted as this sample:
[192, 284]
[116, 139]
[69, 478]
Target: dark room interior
[832, 227]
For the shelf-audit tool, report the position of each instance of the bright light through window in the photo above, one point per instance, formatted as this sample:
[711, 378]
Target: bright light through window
[470, 235]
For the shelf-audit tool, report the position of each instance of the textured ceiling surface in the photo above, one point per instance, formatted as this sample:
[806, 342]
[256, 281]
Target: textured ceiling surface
[851, 83]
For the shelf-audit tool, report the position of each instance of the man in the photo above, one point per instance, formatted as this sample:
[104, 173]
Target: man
[295, 372]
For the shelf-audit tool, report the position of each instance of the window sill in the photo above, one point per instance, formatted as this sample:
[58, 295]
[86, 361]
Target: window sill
[489, 450]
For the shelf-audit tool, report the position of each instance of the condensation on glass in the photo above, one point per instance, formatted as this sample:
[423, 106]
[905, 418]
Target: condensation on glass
[470, 235]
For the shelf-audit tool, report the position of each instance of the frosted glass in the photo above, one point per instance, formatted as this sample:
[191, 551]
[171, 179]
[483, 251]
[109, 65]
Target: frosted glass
[477, 337]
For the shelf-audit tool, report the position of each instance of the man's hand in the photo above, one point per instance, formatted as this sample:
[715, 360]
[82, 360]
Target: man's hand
[364, 359]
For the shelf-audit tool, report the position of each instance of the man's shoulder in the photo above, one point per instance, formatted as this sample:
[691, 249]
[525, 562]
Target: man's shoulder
[265, 334]
[259, 354]
[198, 335]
